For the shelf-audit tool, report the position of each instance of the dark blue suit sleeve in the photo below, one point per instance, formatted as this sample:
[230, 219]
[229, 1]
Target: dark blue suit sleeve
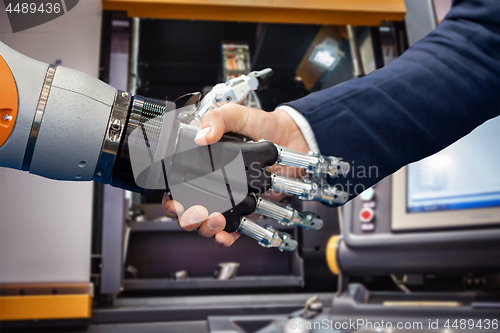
[438, 91]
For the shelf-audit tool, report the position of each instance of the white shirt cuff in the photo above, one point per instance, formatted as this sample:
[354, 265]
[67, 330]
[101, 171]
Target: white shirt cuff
[303, 125]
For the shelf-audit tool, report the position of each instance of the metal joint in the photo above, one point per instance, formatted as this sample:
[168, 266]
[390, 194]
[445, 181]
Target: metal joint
[37, 120]
[114, 133]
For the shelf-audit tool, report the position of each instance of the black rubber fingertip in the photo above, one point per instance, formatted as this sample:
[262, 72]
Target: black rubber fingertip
[246, 207]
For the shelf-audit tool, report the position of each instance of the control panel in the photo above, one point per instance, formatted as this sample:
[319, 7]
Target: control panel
[370, 211]
[367, 212]
[367, 222]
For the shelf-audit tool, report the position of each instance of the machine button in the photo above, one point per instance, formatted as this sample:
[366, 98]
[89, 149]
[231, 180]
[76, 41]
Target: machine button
[369, 204]
[366, 215]
[367, 227]
[367, 194]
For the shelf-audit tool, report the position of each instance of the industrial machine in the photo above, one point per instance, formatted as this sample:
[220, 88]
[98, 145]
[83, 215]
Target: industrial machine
[407, 254]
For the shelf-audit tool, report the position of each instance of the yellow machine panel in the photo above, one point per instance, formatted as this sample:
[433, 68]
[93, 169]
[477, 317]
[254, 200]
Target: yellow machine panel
[332, 12]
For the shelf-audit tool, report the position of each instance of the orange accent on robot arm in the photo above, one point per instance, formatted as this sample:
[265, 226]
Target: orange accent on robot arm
[8, 101]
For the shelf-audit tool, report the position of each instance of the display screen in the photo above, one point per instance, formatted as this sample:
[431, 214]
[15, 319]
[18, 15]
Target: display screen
[464, 175]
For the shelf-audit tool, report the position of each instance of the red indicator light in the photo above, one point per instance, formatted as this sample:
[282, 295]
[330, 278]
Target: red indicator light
[366, 214]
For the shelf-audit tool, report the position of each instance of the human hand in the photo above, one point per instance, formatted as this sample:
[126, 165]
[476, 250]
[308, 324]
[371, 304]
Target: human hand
[276, 126]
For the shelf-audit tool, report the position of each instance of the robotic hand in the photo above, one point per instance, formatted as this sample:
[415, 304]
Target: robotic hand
[91, 131]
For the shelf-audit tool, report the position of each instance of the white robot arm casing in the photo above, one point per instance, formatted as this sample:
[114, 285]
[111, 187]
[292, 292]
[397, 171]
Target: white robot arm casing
[72, 123]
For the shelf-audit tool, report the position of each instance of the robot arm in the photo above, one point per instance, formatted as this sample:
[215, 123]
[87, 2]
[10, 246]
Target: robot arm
[59, 119]
[62, 124]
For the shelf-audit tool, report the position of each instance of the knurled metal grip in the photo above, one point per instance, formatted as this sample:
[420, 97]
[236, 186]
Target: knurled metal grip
[267, 236]
[274, 211]
[310, 191]
[315, 164]
[37, 121]
[304, 190]
[295, 159]
[288, 215]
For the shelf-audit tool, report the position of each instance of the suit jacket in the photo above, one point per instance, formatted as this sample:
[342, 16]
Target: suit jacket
[436, 92]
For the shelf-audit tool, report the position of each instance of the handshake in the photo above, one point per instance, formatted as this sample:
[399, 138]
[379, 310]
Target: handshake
[220, 162]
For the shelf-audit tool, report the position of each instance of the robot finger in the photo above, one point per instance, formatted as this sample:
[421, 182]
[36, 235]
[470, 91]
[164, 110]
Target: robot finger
[317, 165]
[267, 236]
[309, 190]
[288, 215]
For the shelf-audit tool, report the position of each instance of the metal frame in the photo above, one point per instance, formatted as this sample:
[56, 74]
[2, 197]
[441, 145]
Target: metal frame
[420, 19]
[136, 310]
[113, 229]
[357, 12]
